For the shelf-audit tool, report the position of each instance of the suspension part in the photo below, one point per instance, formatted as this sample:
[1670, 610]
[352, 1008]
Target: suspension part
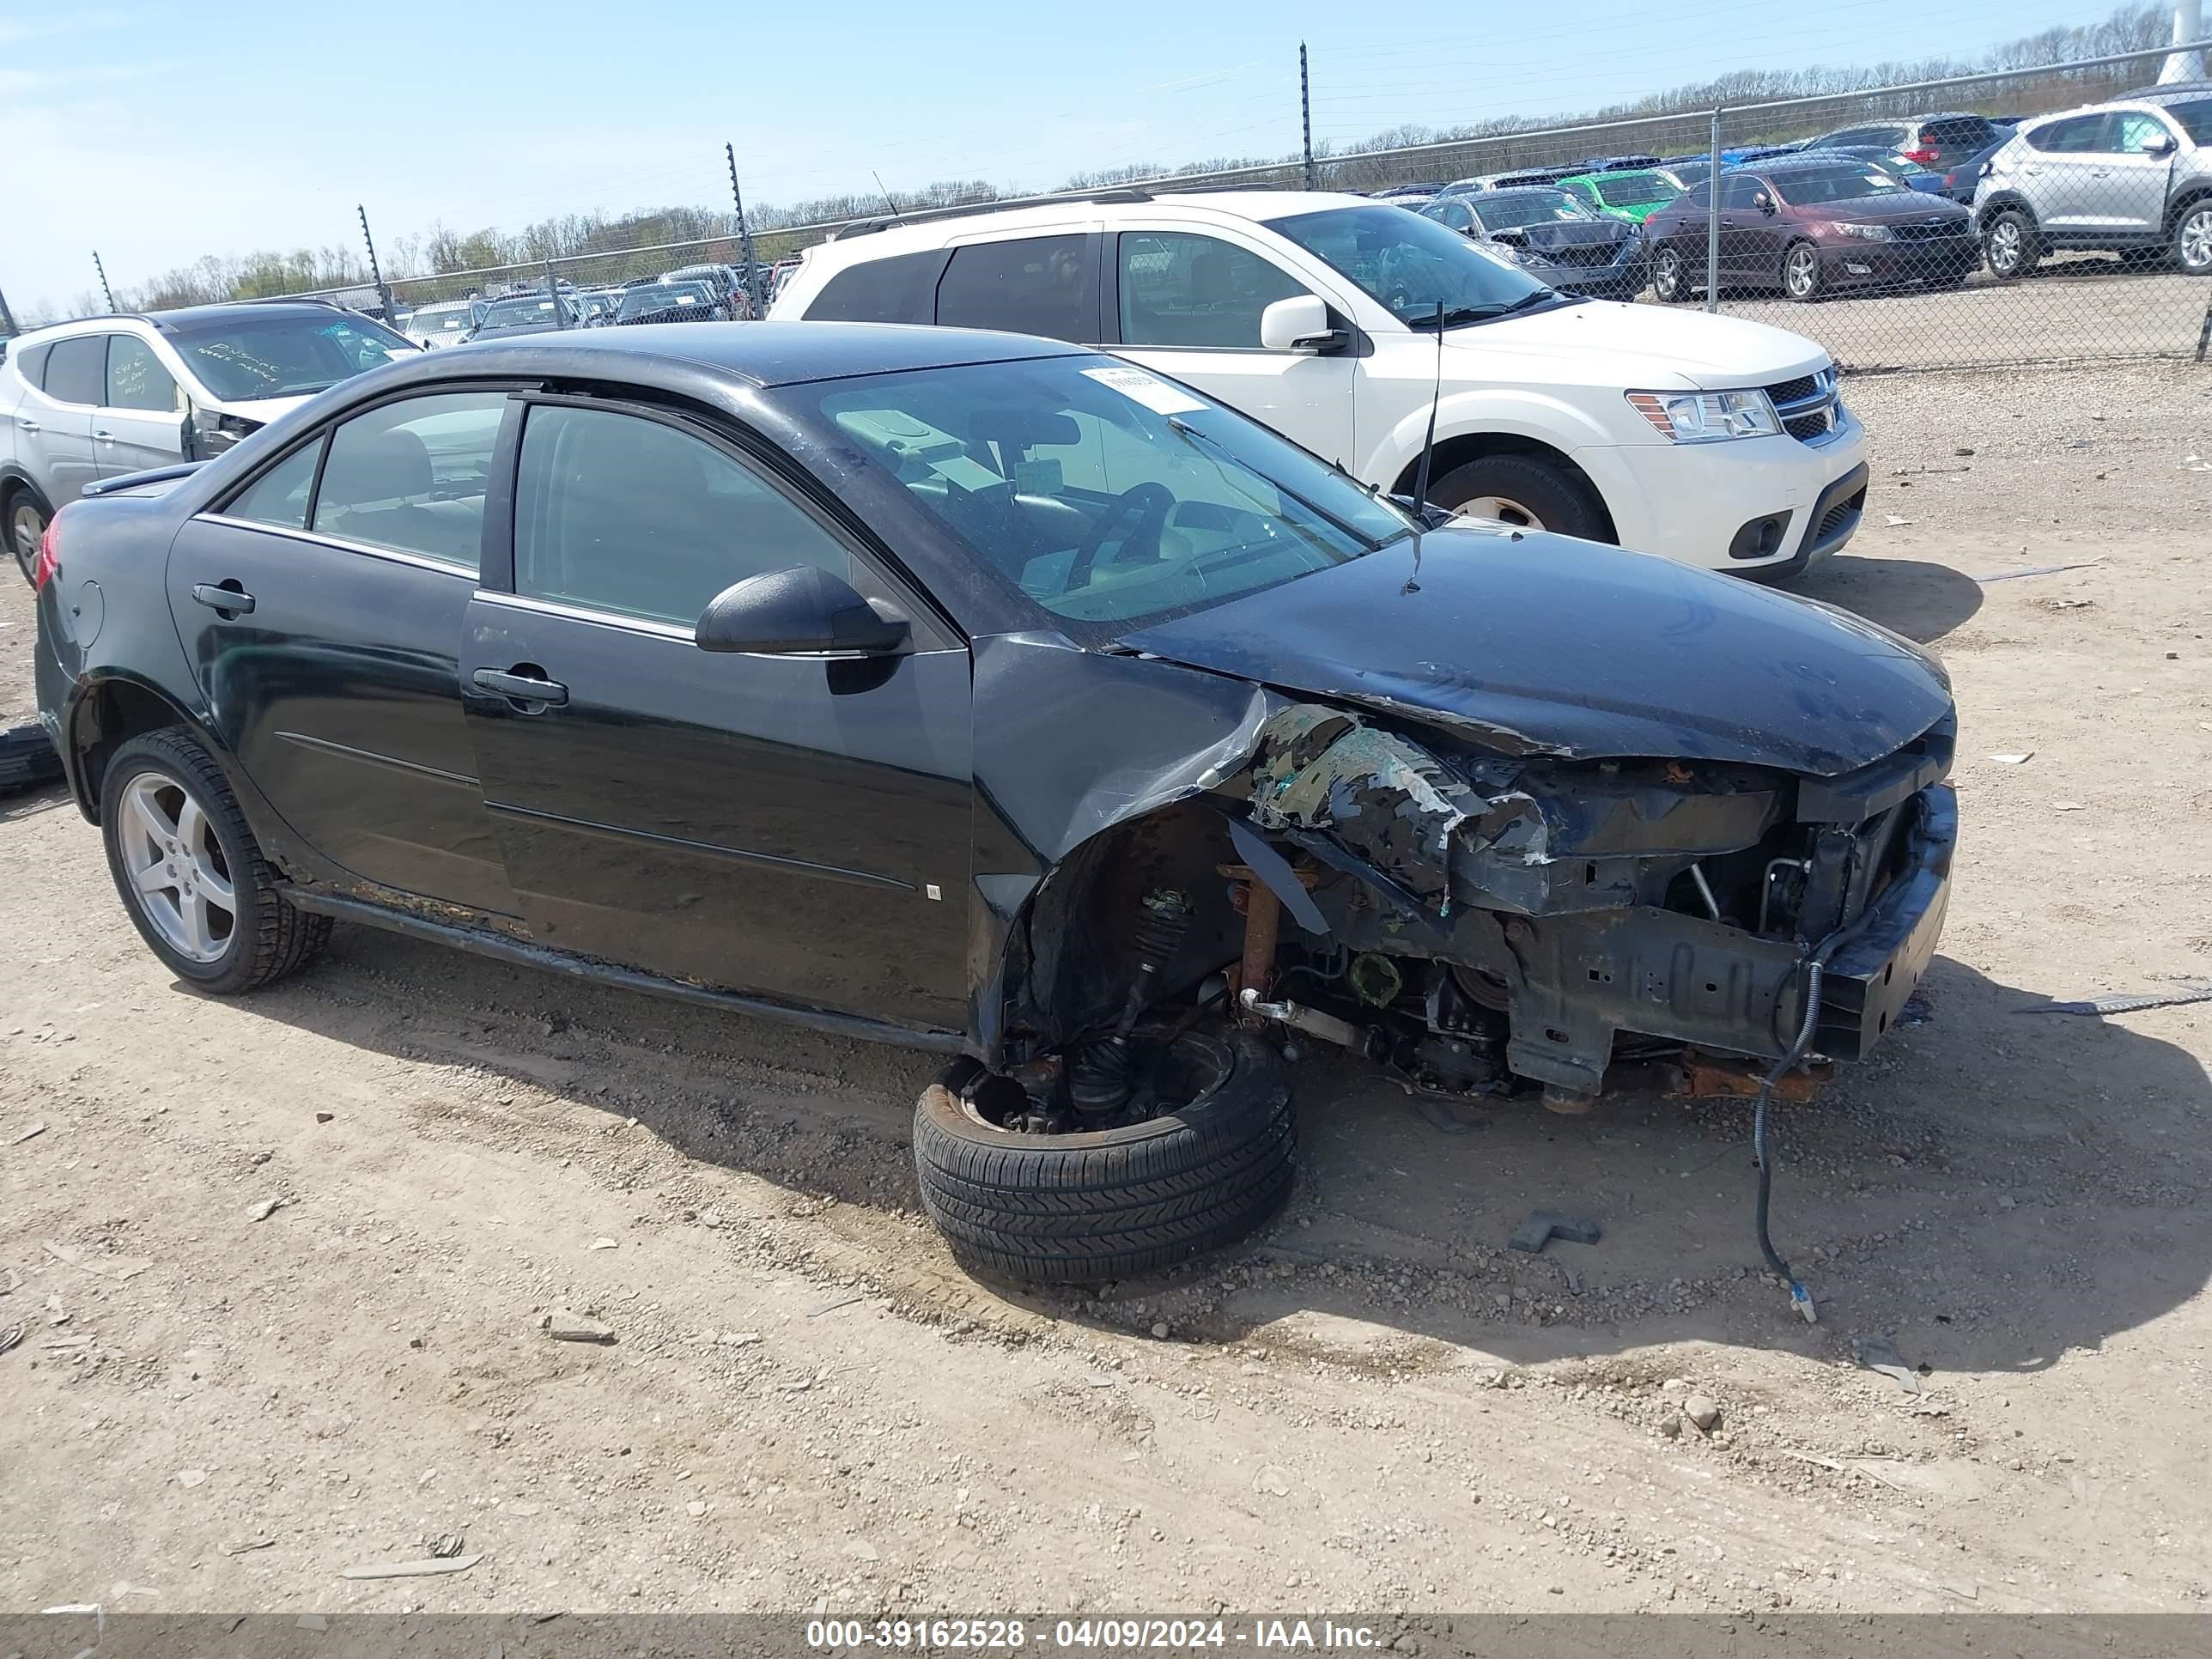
[1099, 1081]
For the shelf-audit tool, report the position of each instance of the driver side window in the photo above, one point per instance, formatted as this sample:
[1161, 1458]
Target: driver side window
[1741, 190]
[1178, 290]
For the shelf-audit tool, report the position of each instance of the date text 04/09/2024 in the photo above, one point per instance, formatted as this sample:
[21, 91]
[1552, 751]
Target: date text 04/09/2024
[1087, 1635]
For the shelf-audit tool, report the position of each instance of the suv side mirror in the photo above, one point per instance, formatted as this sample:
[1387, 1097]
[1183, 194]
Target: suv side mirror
[1763, 202]
[802, 612]
[1299, 324]
[2159, 143]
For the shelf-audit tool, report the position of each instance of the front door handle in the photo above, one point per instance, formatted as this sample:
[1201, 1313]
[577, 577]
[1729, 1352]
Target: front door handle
[105, 437]
[523, 688]
[26, 423]
[1728, 224]
[227, 597]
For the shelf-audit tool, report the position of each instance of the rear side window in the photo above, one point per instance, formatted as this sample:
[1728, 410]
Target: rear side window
[2075, 134]
[1883, 138]
[1958, 132]
[1179, 290]
[616, 512]
[76, 369]
[1036, 285]
[279, 496]
[900, 289]
[411, 476]
[135, 378]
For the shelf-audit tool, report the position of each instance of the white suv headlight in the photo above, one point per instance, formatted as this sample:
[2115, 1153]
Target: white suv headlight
[1705, 418]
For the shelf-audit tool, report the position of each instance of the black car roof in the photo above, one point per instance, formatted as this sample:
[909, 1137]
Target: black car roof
[193, 316]
[765, 354]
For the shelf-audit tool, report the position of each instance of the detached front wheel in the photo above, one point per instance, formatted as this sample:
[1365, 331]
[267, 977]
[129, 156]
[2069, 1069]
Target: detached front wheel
[1085, 1207]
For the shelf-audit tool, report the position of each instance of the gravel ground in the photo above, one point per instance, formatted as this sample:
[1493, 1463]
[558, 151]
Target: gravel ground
[1373, 1405]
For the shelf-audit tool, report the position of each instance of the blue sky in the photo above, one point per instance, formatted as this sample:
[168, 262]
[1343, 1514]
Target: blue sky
[160, 133]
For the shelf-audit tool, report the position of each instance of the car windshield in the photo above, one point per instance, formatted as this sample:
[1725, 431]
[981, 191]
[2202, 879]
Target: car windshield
[250, 356]
[1412, 264]
[1851, 184]
[1632, 189]
[1104, 495]
[510, 314]
[665, 296]
[2195, 119]
[436, 320]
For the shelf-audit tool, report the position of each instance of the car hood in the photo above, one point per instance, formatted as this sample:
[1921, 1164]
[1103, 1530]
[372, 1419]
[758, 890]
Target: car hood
[259, 410]
[1906, 205]
[1566, 233]
[1528, 643]
[1711, 353]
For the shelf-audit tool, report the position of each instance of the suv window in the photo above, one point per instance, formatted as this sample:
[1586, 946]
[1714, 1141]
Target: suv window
[1179, 290]
[279, 496]
[135, 378]
[1698, 196]
[2075, 134]
[2133, 128]
[2195, 120]
[1035, 285]
[1958, 132]
[1870, 137]
[76, 369]
[411, 476]
[620, 513]
[900, 289]
[1738, 188]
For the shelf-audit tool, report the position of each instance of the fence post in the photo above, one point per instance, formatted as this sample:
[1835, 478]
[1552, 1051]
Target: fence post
[104, 287]
[8, 329]
[1713, 224]
[1305, 119]
[745, 236]
[553, 293]
[375, 275]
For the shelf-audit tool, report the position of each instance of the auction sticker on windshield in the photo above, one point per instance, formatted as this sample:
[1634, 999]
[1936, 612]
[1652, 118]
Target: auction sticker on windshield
[1140, 387]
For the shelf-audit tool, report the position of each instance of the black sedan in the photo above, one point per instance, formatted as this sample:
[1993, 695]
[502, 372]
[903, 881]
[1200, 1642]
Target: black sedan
[1553, 236]
[984, 694]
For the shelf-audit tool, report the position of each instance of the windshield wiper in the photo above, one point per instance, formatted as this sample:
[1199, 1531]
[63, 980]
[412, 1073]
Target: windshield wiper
[1367, 544]
[1458, 316]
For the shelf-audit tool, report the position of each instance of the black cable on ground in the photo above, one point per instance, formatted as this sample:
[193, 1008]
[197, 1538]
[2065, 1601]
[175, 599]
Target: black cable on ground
[1800, 1298]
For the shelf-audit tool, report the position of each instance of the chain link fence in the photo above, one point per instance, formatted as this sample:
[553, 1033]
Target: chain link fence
[1932, 225]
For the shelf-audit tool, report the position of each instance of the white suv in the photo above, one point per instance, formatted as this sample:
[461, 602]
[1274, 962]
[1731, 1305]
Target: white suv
[1717, 442]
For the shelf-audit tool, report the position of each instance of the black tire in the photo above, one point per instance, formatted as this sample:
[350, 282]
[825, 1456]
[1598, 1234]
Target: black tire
[1804, 273]
[2010, 245]
[1541, 494]
[26, 757]
[2192, 237]
[268, 938]
[1081, 1209]
[1670, 277]
[26, 517]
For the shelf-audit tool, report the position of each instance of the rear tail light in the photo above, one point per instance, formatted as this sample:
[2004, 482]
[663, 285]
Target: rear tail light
[1923, 156]
[49, 562]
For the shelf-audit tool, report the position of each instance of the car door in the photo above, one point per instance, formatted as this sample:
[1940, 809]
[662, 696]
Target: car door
[2058, 172]
[1752, 236]
[2129, 185]
[322, 608]
[1188, 304]
[141, 420]
[53, 427]
[791, 827]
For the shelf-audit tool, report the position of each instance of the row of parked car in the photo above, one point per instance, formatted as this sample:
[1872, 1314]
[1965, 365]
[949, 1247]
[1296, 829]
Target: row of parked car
[1926, 200]
[692, 294]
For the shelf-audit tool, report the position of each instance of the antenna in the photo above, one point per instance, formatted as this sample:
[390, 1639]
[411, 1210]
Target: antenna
[888, 202]
[1428, 451]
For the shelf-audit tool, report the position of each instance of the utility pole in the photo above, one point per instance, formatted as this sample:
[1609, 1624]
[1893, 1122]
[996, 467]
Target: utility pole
[8, 329]
[2188, 26]
[1305, 118]
[375, 275]
[104, 287]
[745, 235]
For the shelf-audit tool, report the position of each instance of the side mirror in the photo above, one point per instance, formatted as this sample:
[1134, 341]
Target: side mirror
[1763, 202]
[802, 612]
[1300, 324]
[2159, 143]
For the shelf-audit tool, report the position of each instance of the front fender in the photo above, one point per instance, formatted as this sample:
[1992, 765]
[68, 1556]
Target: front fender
[1515, 411]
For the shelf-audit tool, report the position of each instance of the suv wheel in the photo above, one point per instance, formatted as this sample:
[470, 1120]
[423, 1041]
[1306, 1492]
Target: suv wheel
[2012, 245]
[1803, 276]
[2192, 239]
[1528, 492]
[26, 528]
[1085, 1208]
[1670, 277]
[190, 872]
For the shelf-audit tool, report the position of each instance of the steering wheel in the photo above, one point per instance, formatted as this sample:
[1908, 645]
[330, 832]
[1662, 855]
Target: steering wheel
[1144, 506]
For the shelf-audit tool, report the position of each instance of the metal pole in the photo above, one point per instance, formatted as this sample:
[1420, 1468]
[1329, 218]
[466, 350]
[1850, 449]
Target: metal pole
[1713, 224]
[7, 319]
[553, 293]
[1305, 118]
[745, 235]
[104, 287]
[2187, 26]
[375, 275]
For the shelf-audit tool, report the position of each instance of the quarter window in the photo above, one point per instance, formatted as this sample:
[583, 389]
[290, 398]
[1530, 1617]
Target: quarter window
[76, 369]
[411, 476]
[619, 514]
[279, 496]
[1035, 285]
[135, 378]
[1178, 290]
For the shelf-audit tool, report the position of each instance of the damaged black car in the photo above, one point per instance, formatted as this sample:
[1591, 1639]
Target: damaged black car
[978, 693]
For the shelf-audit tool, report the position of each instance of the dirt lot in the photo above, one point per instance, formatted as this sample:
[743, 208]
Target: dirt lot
[1372, 1405]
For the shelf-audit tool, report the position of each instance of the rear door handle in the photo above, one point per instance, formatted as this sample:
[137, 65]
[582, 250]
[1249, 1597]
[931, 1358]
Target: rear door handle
[234, 600]
[523, 688]
[1728, 224]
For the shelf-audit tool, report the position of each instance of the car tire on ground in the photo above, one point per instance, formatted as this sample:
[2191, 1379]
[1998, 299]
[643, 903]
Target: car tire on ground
[1804, 278]
[26, 757]
[26, 525]
[1528, 492]
[2192, 237]
[1670, 277]
[1084, 1208]
[191, 872]
[2010, 244]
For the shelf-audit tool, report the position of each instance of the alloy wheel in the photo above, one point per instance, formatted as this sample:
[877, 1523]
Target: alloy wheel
[2006, 247]
[27, 527]
[1504, 508]
[1801, 272]
[179, 878]
[1666, 276]
[2192, 242]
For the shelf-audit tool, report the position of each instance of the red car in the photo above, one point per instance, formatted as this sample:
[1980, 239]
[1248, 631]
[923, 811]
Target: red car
[1811, 227]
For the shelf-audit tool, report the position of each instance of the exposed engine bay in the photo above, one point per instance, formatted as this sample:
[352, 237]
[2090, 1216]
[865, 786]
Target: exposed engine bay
[1480, 925]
